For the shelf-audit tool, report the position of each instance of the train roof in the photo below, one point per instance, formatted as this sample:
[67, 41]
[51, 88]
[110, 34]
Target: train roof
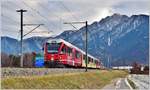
[70, 45]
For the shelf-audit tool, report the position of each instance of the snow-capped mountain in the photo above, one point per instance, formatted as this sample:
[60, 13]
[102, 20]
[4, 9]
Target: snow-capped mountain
[120, 38]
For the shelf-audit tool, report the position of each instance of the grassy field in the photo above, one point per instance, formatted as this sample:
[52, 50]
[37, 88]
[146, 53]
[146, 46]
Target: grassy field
[84, 80]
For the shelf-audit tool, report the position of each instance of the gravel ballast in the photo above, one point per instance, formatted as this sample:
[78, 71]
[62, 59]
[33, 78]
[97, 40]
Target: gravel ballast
[6, 72]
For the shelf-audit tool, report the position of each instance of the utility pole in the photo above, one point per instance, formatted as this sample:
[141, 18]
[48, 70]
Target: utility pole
[21, 31]
[86, 37]
[108, 62]
[86, 44]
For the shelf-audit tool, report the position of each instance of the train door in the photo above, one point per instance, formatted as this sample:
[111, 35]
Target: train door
[73, 57]
[78, 58]
[69, 56]
[83, 60]
[63, 54]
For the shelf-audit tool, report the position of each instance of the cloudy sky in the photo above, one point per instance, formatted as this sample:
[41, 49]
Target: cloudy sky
[53, 13]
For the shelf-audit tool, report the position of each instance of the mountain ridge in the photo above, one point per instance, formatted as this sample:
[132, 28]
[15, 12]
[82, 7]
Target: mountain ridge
[119, 37]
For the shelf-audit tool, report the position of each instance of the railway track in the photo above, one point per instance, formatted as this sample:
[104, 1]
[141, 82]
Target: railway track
[8, 72]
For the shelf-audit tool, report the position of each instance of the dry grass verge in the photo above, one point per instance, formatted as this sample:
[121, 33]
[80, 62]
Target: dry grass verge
[84, 80]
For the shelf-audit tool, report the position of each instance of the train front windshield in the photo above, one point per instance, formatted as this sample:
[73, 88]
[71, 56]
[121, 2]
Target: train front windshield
[53, 47]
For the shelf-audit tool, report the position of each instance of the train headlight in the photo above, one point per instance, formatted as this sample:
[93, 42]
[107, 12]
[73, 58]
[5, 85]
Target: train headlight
[52, 58]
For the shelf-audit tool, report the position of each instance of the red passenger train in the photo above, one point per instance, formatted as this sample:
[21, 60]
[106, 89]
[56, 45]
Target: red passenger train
[60, 53]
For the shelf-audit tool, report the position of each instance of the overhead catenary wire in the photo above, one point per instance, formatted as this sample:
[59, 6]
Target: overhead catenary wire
[10, 19]
[67, 11]
[7, 30]
[58, 16]
[26, 33]
[16, 31]
[45, 18]
[31, 30]
[37, 12]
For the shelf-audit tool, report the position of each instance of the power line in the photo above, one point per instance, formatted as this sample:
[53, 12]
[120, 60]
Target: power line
[67, 9]
[10, 19]
[37, 12]
[7, 30]
[46, 32]
[41, 32]
[51, 13]
[49, 10]
[32, 30]
[45, 18]
[69, 12]
[37, 24]
[74, 27]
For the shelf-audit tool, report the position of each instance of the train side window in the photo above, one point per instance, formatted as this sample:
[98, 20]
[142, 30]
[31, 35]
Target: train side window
[95, 61]
[88, 60]
[78, 54]
[92, 60]
[63, 50]
[84, 57]
[69, 51]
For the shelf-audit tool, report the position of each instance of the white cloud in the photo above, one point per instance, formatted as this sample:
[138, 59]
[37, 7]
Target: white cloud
[133, 7]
